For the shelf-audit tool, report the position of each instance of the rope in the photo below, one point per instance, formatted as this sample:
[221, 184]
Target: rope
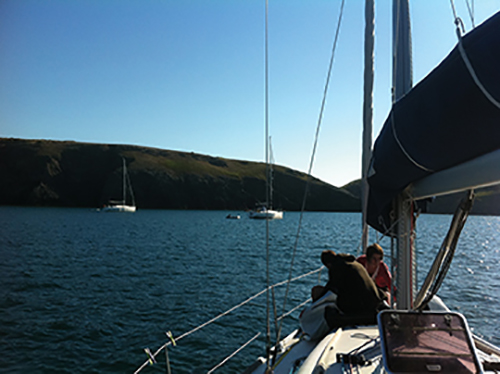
[308, 181]
[294, 309]
[466, 60]
[471, 12]
[226, 313]
[233, 354]
[413, 161]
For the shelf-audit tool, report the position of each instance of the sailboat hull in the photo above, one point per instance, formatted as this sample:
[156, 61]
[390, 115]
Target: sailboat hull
[119, 208]
[268, 214]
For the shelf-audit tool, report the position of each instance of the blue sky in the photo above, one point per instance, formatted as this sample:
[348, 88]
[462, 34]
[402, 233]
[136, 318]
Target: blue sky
[188, 75]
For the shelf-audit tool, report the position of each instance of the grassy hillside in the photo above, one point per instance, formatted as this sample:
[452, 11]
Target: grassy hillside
[54, 173]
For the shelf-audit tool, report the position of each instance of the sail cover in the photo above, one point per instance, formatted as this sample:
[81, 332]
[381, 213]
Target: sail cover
[442, 122]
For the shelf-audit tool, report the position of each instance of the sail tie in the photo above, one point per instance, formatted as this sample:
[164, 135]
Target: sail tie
[408, 156]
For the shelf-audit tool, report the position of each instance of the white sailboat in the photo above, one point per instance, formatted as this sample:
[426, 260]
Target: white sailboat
[266, 211]
[121, 205]
[419, 334]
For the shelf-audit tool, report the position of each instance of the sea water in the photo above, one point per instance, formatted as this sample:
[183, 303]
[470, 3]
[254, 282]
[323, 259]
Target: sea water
[85, 292]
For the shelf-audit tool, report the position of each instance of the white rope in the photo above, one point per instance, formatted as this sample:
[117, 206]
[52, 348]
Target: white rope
[394, 133]
[294, 309]
[467, 62]
[471, 12]
[470, 68]
[233, 354]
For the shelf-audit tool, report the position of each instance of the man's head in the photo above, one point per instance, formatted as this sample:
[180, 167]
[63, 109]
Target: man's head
[327, 258]
[330, 259]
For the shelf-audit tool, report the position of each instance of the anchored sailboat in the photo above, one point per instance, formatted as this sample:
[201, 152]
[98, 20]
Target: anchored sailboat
[266, 211]
[121, 205]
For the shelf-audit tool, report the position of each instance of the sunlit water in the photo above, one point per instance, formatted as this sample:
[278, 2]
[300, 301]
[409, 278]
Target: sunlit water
[85, 292]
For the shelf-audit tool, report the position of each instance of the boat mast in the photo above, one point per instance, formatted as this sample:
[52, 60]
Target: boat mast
[271, 175]
[124, 182]
[367, 114]
[402, 83]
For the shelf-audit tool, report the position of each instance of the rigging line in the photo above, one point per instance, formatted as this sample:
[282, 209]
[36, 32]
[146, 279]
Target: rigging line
[275, 311]
[294, 309]
[233, 354]
[467, 62]
[389, 229]
[318, 127]
[394, 55]
[203, 325]
[441, 265]
[408, 156]
[471, 12]
[266, 109]
[226, 313]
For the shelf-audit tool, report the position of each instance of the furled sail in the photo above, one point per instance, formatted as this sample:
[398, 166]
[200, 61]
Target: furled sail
[445, 120]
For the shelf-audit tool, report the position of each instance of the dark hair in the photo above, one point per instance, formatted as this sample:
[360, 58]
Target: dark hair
[327, 257]
[374, 249]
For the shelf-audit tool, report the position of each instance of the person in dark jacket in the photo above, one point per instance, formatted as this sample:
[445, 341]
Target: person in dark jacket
[358, 297]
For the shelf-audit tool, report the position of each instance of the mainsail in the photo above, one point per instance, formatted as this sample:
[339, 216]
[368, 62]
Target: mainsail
[443, 121]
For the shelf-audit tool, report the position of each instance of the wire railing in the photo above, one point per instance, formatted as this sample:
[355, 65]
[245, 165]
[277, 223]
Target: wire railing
[151, 360]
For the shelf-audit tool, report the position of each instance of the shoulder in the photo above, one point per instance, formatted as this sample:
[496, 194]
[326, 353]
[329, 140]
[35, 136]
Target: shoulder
[385, 270]
[361, 259]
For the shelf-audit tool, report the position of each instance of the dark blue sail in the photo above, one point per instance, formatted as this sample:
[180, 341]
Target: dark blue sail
[442, 122]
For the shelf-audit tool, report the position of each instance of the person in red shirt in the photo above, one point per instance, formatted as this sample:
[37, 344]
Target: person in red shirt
[377, 269]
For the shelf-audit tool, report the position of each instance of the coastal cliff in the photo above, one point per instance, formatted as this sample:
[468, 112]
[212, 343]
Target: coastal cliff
[72, 174]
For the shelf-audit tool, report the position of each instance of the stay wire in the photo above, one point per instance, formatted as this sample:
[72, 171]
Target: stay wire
[441, 265]
[266, 109]
[471, 12]
[308, 181]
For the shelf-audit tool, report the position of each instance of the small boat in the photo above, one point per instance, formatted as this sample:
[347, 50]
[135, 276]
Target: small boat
[231, 216]
[121, 205]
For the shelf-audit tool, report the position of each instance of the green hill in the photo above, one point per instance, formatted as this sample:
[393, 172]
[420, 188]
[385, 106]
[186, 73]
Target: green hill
[72, 174]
